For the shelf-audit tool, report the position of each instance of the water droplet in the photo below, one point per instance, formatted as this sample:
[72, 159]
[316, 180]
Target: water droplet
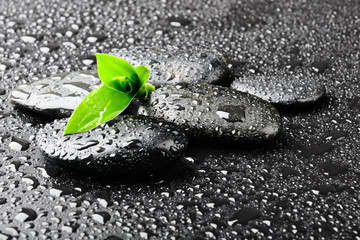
[88, 144]
[69, 44]
[19, 144]
[70, 227]
[26, 214]
[60, 190]
[101, 217]
[31, 181]
[134, 143]
[96, 38]
[12, 231]
[245, 215]
[28, 39]
[231, 113]
[179, 21]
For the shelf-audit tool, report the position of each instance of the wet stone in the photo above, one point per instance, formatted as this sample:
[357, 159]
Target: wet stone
[282, 90]
[170, 66]
[131, 144]
[214, 112]
[56, 96]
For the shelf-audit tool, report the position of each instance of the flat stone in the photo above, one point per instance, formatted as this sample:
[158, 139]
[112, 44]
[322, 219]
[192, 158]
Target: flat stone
[214, 112]
[282, 90]
[131, 144]
[56, 96]
[170, 66]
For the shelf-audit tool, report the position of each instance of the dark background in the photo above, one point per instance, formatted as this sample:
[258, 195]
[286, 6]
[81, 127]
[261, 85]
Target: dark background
[304, 184]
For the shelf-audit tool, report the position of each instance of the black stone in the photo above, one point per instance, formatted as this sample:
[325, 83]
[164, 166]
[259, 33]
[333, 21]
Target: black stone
[56, 96]
[129, 145]
[282, 90]
[214, 112]
[169, 66]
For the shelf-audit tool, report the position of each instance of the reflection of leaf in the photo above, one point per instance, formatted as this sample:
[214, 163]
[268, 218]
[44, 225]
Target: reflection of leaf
[121, 84]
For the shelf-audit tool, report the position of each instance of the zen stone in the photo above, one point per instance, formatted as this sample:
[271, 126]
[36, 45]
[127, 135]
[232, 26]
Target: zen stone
[214, 112]
[56, 96]
[170, 66]
[132, 144]
[282, 90]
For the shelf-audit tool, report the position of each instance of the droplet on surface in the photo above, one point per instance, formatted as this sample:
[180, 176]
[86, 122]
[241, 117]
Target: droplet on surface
[28, 39]
[19, 144]
[101, 217]
[245, 215]
[26, 214]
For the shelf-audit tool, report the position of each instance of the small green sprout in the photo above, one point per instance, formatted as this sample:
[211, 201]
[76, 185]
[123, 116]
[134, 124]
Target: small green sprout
[121, 83]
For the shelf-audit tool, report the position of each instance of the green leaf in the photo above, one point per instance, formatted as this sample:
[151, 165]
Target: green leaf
[144, 91]
[110, 68]
[125, 85]
[101, 105]
[121, 84]
[143, 73]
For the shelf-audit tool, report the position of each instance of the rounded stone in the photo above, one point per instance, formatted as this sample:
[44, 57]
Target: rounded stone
[282, 90]
[214, 112]
[129, 144]
[56, 96]
[171, 65]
